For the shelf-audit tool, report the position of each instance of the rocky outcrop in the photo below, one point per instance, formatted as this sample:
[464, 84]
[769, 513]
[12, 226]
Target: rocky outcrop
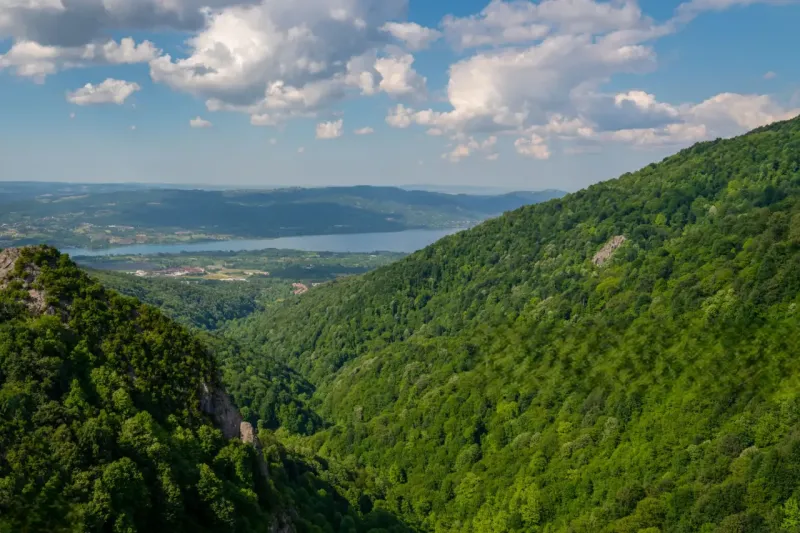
[8, 258]
[218, 405]
[36, 300]
[247, 433]
[607, 251]
[281, 524]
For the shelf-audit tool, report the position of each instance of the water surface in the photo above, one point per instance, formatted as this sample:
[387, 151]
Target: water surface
[403, 241]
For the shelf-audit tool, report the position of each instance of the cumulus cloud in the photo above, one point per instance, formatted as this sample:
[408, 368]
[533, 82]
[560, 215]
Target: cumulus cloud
[522, 21]
[533, 146]
[364, 131]
[537, 71]
[398, 78]
[533, 68]
[110, 91]
[330, 130]
[514, 88]
[281, 59]
[729, 113]
[199, 122]
[723, 115]
[414, 36]
[770, 75]
[37, 61]
[72, 23]
[470, 146]
[633, 109]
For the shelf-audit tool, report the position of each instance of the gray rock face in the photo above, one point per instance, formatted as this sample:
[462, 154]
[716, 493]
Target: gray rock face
[8, 258]
[282, 524]
[217, 404]
[247, 433]
[607, 251]
[36, 300]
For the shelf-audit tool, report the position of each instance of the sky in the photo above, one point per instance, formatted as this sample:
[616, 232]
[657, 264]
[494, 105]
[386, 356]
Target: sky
[518, 94]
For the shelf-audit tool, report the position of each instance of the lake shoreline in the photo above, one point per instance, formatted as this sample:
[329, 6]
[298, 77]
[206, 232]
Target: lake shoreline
[406, 241]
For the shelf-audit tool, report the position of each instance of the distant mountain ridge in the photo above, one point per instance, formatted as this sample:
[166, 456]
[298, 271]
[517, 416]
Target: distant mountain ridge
[133, 215]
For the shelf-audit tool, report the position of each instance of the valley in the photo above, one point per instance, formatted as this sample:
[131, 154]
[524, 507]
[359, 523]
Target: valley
[399, 266]
[619, 360]
[207, 290]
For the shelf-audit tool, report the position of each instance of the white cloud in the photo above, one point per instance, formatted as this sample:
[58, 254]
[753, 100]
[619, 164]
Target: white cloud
[515, 88]
[364, 131]
[470, 146]
[301, 150]
[723, 115]
[539, 71]
[70, 23]
[398, 78]
[493, 157]
[33, 60]
[273, 141]
[535, 67]
[533, 146]
[400, 117]
[522, 21]
[690, 9]
[281, 59]
[199, 122]
[414, 36]
[133, 128]
[770, 75]
[264, 120]
[729, 114]
[111, 91]
[72, 115]
[330, 130]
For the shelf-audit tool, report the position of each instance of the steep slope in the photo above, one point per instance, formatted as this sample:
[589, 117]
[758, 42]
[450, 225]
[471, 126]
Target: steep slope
[623, 359]
[109, 413]
[112, 418]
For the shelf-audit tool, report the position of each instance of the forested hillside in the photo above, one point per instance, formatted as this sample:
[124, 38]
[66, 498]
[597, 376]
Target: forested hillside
[527, 375]
[113, 419]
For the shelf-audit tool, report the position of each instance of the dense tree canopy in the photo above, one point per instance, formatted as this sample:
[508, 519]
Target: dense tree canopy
[502, 381]
[103, 429]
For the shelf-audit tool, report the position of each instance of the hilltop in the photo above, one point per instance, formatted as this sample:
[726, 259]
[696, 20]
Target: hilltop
[622, 359]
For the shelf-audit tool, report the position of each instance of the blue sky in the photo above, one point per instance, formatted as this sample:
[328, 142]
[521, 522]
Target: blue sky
[518, 94]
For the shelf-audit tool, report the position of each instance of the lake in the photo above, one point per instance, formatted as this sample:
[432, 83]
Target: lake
[403, 241]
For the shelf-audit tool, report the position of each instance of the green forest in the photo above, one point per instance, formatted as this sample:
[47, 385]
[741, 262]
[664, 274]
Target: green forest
[113, 419]
[503, 381]
[623, 359]
[207, 300]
